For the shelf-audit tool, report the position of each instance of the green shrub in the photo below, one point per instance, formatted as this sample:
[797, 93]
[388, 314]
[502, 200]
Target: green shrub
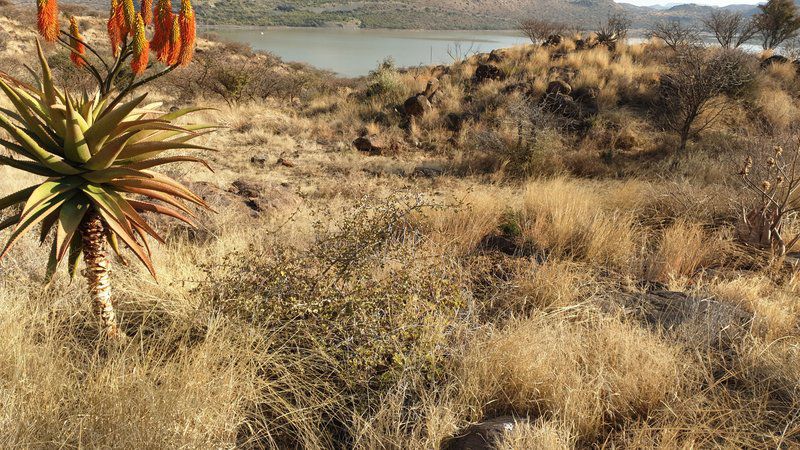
[360, 291]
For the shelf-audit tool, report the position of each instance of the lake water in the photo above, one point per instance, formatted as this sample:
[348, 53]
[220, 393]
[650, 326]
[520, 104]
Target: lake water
[354, 52]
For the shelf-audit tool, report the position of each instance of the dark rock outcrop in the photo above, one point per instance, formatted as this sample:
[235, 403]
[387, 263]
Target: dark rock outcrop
[774, 59]
[553, 40]
[482, 436]
[486, 72]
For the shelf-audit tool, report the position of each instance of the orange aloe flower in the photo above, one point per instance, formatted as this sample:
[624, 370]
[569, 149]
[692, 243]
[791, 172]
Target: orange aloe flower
[115, 26]
[163, 19]
[141, 48]
[174, 42]
[129, 13]
[188, 32]
[47, 19]
[147, 11]
[78, 53]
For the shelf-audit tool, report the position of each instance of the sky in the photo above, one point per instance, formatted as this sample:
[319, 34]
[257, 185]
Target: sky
[699, 2]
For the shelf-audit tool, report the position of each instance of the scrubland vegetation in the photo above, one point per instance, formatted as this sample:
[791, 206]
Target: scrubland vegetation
[534, 238]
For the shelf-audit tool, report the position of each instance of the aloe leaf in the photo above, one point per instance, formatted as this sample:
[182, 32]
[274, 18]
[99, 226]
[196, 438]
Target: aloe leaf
[36, 216]
[163, 210]
[107, 204]
[127, 236]
[147, 164]
[114, 173]
[101, 130]
[48, 190]
[9, 222]
[104, 158]
[52, 265]
[16, 198]
[74, 257]
[69, 220]
[138, 151]
[27, 166]
[48, 159]
[75, 146]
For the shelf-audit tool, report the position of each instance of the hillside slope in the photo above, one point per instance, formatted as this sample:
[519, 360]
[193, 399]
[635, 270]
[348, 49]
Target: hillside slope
[427, 14]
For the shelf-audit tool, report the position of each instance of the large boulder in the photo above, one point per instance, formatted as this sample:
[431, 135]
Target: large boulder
[417, 105]
[486, 72]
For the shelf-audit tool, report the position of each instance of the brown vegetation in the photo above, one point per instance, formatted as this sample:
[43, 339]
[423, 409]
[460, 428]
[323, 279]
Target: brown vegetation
[527, 247]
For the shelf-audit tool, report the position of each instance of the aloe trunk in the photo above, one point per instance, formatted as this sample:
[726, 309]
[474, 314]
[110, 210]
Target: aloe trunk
[98, 273]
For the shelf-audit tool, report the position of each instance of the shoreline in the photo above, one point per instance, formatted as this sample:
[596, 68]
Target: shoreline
[205, 27]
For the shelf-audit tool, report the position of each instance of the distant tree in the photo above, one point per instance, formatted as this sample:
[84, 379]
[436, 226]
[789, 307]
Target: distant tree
[731, 29]
[539, 30]
[674, 34]
[698, 86]
[777, 22]
[618, 25]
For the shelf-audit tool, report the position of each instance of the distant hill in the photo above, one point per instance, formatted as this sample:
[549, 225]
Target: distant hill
[430, 14]
[440, 14]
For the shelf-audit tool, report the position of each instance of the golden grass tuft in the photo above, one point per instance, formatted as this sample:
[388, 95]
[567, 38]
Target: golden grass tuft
[566, 219]
[532, 366]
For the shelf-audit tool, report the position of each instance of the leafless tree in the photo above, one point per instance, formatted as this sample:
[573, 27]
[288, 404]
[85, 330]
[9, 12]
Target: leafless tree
[777, 22]
[459, 53]
[698, 85]
[618, 25]
[731, 29]
[774, 180]
[538, 30]
[674, 34]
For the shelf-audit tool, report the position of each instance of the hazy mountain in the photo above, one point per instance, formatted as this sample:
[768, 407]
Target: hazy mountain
[430, 14]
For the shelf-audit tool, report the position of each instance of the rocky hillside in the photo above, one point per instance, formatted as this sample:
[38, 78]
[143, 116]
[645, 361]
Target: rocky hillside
[427, 14]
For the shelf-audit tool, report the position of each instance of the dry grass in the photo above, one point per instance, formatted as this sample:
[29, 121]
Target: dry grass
[431, 326]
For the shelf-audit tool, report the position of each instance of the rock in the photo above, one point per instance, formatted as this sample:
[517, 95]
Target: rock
[587, 99]
[774, 59]
[428, 171]
[455, 122]
[698, 320]
[515, 87]
[260, 197]
[558, 87]
[561, 104]
[417, 106]
[372, 144]
[432, 88]
[259, 161]
[488, 72]
[483, 436]
[282, 161]
[496, 56]
[553, 40]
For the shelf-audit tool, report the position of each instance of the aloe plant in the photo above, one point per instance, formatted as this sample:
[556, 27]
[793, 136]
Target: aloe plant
[95, 153]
